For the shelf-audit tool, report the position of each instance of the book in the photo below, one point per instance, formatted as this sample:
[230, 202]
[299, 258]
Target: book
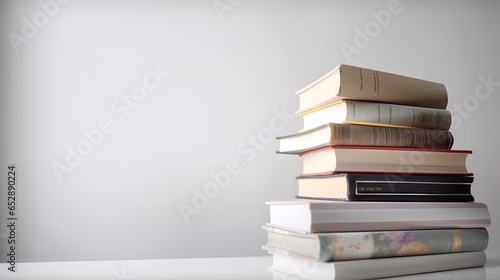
[332, 134]
[316, 216]
[386, 187]
[350, 159]
[357, 83]
[474, 273]
[341, 246]
[306, 268]
[380, 114]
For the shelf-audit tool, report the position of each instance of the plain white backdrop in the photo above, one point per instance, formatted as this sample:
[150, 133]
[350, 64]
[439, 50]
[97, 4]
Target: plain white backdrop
[120, 116]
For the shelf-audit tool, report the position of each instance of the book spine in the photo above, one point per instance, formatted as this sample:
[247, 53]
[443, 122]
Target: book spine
[407, 188]
[391, 137]
[371, 85]
[409, 191]
[359, 245]
[398, 198]
[397, 115]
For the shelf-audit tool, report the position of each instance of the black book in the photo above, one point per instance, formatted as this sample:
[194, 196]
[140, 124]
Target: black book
[386, 187]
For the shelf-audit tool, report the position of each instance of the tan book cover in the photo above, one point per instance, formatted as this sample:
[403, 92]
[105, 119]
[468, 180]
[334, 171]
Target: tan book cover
[357, 83]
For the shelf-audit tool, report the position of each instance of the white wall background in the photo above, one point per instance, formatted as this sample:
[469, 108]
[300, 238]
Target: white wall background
[232, 79]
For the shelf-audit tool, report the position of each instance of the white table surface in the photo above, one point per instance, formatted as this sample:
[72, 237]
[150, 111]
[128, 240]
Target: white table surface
[202, 268]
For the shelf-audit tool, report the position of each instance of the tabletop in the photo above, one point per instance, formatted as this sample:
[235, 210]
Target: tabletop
[233, 268]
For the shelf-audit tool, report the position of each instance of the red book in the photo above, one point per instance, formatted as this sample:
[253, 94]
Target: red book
[369, 159]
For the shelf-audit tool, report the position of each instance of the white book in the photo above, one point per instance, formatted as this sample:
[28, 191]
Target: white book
[314, 216]
[306, 268]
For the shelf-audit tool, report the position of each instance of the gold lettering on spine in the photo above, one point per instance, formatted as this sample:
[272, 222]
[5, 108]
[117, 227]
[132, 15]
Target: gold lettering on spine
[457, 241]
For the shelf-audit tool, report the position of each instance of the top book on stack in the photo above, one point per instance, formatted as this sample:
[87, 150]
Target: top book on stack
[347, 82]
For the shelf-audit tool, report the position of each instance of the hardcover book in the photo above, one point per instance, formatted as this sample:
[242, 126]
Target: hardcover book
[356, 83]
[386, 187]
[306, 268]
[376, 113]
[473, 273]
[316, 216]
[341, 246]
[332, 134]
[366, 159]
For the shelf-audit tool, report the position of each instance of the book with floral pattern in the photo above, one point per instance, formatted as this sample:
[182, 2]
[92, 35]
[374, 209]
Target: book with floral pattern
[377, 244]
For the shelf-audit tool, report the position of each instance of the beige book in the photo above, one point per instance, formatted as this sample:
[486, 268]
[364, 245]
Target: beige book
[380, 114]
[345, 159]
[351, 82]
[332, 134]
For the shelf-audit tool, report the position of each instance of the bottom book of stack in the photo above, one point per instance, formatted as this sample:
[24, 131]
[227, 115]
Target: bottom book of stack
[307, 268]
[312, 239]
[475, 273]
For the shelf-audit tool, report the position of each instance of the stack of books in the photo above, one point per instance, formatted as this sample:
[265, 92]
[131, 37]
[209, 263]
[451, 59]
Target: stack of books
[382, 192]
